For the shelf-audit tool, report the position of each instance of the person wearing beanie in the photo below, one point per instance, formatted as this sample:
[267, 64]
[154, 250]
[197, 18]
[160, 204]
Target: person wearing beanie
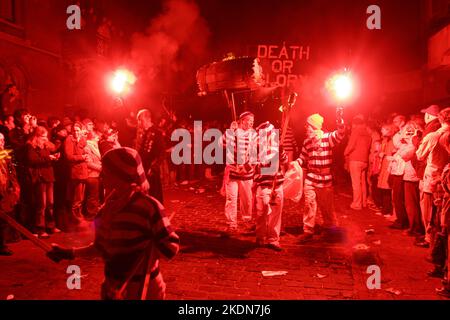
[131, 232]
[150, 146]
[436, 158]
[269, 179]
[238, 177]
[316, 159]
[431, 118]
[315, 121]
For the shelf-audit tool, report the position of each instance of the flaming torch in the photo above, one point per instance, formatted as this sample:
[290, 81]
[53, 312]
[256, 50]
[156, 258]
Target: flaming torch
[340, 86]
[120, 83]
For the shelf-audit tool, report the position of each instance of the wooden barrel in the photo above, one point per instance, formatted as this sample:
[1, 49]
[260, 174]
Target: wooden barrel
[234, 74]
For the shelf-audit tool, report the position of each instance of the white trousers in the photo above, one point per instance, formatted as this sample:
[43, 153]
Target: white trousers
[318, 198]
[243, 188]
[268, 216]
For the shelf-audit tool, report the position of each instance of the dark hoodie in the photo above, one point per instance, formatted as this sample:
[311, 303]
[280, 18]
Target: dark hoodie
[358, 147]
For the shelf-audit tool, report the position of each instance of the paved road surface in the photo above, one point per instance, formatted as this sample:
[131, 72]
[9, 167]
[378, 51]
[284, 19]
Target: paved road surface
[211, 266]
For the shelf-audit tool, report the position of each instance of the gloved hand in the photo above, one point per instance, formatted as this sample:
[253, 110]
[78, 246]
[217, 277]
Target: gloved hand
[59, 253]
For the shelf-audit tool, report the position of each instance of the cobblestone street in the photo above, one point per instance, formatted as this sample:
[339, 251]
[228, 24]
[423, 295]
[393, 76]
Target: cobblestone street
[212, 266]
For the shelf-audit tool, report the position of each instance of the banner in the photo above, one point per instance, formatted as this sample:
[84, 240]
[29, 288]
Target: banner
[282, 64]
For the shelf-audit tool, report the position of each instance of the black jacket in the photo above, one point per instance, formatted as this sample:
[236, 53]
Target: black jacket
[40, 165]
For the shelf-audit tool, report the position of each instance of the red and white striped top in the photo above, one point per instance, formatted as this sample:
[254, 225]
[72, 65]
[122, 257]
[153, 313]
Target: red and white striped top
[316, 158]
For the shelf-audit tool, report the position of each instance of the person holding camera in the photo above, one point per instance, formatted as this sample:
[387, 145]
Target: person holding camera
[433, 159]
[437, 158]
[402, 161]
[40, 163]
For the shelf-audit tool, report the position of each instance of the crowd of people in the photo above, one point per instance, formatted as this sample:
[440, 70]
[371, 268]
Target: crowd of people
[60, 175]
[56, 165]
[53, 176]
[400, 170]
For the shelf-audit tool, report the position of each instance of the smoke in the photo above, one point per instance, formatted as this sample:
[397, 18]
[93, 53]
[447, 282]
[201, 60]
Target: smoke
[171, 49]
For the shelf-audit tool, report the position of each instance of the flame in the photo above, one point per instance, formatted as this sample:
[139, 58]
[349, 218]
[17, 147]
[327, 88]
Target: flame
[122, 81]
[340, 86]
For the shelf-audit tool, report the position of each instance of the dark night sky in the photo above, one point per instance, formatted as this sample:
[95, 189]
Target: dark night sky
[335, 30]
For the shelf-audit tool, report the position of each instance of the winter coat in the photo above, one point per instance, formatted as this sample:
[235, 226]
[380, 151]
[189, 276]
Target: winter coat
[402, 161]
[39, 164]
[74, 152]
[359, 143]
[387, 149]
[436, 157]
[9, 186]
[94, 161]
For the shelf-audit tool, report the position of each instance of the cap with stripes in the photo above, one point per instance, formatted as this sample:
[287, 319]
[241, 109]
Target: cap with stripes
[125, 164]
[266, 126]
[246, 114]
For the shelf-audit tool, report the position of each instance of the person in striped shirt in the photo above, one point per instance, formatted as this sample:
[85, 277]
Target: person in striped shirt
[316, 159]
[239, 171]
[269, 180]
[290, 144]
[131, 232]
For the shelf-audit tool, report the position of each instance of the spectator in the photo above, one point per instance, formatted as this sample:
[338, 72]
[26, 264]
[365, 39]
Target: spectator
[374, 195]
[150, 146]
[6, 128]
[444, 142]
[18, 138]
[9, 193]
[40, 162]
[94, 165]
[386, 153]
[67, 123]
[10, 100]
[357, 153]
[75, 154]
[403, 157]
[62, 176]
[53, 122]
[426, 155]
[396, 171]
[88, 126]
[436, 158]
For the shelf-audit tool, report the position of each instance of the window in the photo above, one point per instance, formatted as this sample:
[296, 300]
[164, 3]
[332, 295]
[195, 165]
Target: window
[8, 10]
[11, 17]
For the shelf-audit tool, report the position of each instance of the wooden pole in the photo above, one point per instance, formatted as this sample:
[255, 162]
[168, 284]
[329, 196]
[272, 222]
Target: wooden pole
[25, 232]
